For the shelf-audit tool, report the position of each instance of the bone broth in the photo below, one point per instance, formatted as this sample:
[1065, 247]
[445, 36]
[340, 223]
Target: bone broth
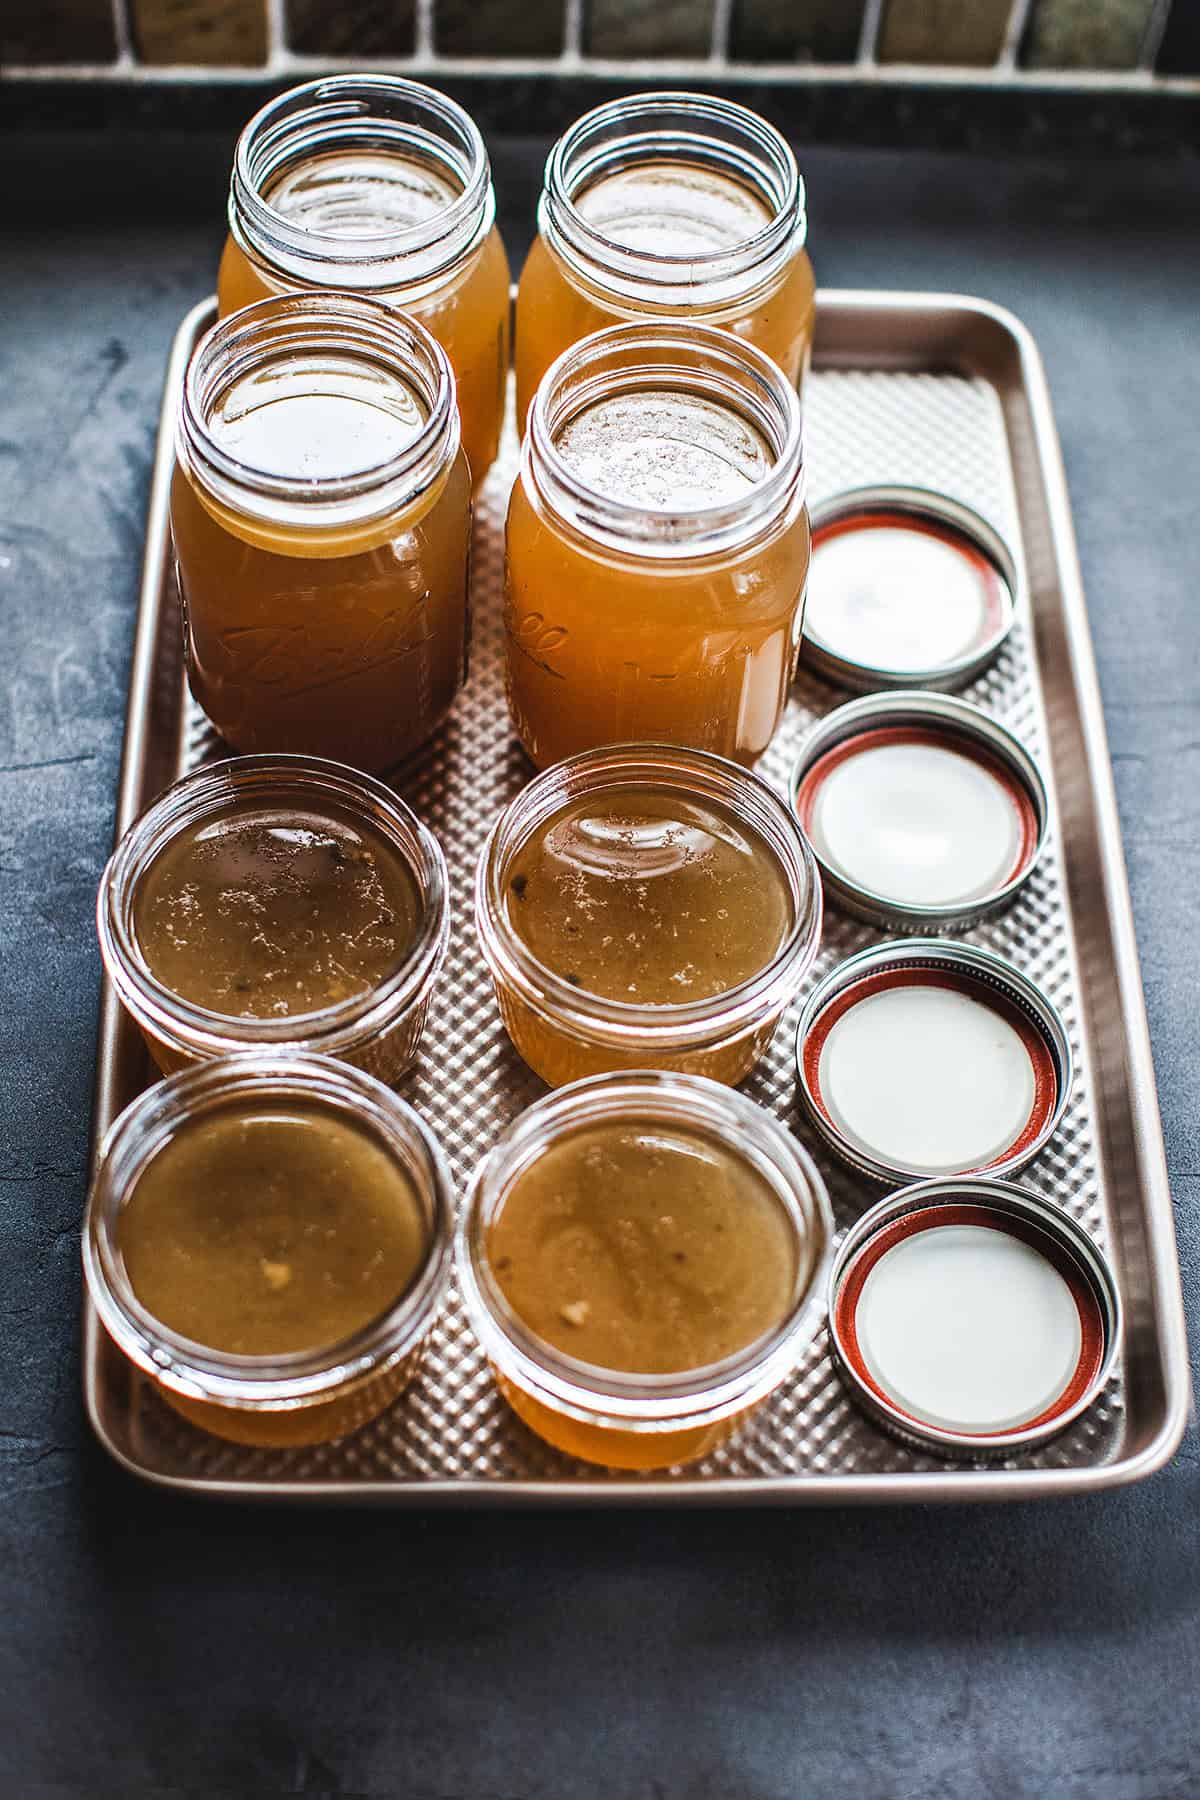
[644, 1248]
[648, 896]
[264, 1234]
[263, 915]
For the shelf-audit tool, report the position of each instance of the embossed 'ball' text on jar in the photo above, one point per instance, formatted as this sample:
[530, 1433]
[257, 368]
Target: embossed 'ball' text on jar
[374, 185]
[657, 547]
[673, 207]
[320, 511]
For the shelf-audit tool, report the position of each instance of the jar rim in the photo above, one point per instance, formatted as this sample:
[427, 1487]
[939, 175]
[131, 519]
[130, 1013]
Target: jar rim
[356, 110]
[271, 1382]
[713, 130]
[697, 358]
[284, 326]
[639, 1401]
[205, 792]
[621, 1023]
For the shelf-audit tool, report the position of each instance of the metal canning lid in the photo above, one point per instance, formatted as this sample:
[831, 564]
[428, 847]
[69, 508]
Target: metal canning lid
[924, 1058]
[908, 589]
[973, 1317]
[921, 810]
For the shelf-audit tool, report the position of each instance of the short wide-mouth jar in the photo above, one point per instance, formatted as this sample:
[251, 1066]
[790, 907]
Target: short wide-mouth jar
[299, 1397]
[320, 515]
[668, 205]
[565, 1032]
[377, 1029]
[621, 1418]
[657, 546]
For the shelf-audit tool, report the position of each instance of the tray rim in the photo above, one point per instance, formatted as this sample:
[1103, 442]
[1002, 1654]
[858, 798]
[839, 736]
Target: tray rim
[1165, 1299]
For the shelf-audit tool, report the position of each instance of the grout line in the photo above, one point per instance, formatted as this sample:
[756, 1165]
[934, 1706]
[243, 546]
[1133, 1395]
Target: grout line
[572, 31]
[277, 43]
[781, 74]
[123, 34]
[722, 31]
[1156, 30]
[423, 44]
[868, 37]
[1014, 31]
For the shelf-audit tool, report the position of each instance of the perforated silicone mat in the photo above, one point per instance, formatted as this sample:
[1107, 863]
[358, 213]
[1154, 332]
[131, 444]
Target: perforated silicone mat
[863, 426]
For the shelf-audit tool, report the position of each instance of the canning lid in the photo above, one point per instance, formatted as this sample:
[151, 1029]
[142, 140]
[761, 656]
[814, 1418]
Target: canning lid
[972, 1316]
[908, 588]
[921, 810]
[924, 1059]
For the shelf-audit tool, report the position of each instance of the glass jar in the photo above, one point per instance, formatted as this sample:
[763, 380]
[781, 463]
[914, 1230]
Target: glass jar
[379, 186]
[378, 1029]
[678, 207]
[631, 611]
[564, 1032]
[320, 510]
[301, 1397]
[628, 1420]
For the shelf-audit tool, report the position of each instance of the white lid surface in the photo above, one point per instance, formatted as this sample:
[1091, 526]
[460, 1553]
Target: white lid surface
[918, 823]
[895, 597]
[968, 1328]
[928, 1079]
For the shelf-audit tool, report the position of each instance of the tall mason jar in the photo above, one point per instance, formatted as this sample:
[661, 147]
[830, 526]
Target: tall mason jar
[374, 185]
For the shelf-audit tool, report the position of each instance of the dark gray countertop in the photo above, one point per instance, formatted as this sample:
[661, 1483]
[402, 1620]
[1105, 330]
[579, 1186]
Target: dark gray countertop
[149, 1645]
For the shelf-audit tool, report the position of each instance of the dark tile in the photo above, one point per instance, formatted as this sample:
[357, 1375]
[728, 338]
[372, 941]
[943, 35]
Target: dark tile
[649, 27]
[1087, 34]
[1179, 52]
[57, 31]
[498, 27]
[796, 30]
[943, 31]
[230, 33]
[350, 27]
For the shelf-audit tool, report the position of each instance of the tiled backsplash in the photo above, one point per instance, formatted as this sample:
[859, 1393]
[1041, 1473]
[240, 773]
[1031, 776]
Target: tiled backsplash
[1138, 41]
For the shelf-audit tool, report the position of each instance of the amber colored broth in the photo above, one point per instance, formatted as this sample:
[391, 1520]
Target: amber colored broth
[648, 897]
[644, 1247]
[264, 1233]
[266, 912]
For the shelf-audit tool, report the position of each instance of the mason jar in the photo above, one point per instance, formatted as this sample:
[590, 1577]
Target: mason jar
[657, 546]
[374, 185]
[375, 1023]
[565, 1028]
[635, 1418]
[191, 1233]
[671, 206]
[320, 511]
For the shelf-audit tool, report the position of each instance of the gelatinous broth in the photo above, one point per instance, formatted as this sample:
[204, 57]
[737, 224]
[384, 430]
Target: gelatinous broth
[648, 897]
[644, 1247]
[265, 1232]
[265, 912]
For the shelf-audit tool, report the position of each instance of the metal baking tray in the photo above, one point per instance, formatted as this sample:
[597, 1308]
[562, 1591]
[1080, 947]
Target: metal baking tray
[943, 391]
